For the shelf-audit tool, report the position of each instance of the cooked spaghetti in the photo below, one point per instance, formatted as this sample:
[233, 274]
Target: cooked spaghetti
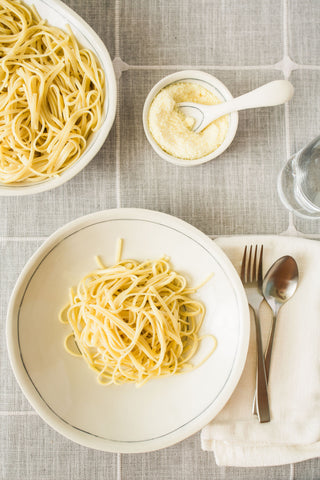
[134, 321]
[51, 96]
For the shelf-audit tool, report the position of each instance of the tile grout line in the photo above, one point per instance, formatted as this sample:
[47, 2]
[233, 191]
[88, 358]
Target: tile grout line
[285, 29]
[118, 466]
[117, 122]
[291, 227]
[118, 136]
[308, 67]
[200, 67]
[22, 239]
[17, 413]
[213, 235]
[285, 53]
[291, 471]
[271, 66]
[118, 195]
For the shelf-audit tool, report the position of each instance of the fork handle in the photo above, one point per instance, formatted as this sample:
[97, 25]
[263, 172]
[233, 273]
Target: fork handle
[262, 390]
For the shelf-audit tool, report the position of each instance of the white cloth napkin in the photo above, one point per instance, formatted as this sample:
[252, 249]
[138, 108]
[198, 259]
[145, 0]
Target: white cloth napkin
[293, 434]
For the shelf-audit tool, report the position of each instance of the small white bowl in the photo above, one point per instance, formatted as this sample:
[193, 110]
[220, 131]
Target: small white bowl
[59, 15]
[212, 84]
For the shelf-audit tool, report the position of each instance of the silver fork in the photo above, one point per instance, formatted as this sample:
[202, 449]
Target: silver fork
[251, 277]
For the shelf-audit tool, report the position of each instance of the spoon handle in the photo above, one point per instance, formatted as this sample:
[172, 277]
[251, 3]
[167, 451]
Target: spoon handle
[267, 360]
[270, 345]
[268, 95]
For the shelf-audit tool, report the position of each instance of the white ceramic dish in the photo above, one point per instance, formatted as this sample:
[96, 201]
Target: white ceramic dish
[212, 84]
[65, 392]
[58, 14]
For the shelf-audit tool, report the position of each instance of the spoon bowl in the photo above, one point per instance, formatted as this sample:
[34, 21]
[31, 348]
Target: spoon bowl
[280, 282]
[279, 285]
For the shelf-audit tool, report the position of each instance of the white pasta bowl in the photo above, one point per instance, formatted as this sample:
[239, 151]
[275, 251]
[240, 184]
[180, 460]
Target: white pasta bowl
[60, 15]
[62, 388]
[212, 84]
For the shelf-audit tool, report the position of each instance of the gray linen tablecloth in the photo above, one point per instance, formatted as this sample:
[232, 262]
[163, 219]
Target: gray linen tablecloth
[244, 43]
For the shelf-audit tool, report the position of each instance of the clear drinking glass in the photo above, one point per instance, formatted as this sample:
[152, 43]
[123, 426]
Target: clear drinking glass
[299, 181]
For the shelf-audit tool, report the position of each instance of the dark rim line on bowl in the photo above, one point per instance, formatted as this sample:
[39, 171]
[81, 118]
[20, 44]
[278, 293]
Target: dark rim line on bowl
[6, 186]
[195, 80]
[212, 86]
[26, 370]
[192, 80]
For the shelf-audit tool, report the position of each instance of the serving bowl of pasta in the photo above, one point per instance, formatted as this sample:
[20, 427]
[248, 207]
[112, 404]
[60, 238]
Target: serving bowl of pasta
[57, 95]
[131, 349]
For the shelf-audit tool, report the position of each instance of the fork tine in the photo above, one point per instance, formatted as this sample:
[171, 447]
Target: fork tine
[251, 265]
[249, 269]
[243, 265]
[260, 276]
[254, 266]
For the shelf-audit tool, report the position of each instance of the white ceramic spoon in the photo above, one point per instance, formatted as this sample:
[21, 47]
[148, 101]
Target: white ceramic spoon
[270, 94]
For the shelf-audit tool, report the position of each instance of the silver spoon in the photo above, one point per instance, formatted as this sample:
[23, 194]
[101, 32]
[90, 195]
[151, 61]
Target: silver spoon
[279, 284]
[268, 95]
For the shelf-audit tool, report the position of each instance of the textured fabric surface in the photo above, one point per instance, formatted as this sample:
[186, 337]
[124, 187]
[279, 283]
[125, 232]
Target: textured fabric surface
[244, 44]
